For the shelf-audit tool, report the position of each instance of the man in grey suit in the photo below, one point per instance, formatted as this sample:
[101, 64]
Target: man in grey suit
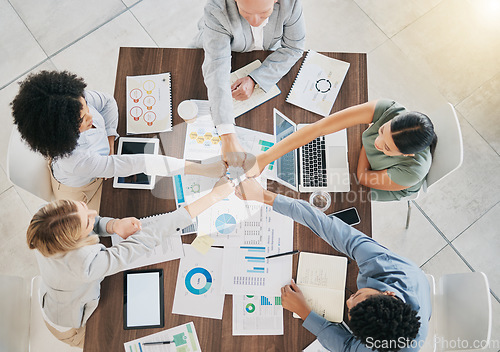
[246, 25]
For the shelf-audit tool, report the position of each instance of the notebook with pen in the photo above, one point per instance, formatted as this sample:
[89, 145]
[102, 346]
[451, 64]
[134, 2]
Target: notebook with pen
[318, 83]
[321, 278]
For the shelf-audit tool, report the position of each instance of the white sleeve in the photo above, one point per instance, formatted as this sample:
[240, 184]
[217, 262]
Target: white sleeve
[107, 166]
[106, 105]
[100, 263]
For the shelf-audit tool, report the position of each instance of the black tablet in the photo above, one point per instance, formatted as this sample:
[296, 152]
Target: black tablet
[132, 145]
[143, 299]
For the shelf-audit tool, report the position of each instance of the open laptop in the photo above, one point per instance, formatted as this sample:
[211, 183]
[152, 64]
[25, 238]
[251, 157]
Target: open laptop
[319, 165]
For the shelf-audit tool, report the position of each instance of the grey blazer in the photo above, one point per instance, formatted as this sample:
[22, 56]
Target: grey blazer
[222, 30]
[70, 288]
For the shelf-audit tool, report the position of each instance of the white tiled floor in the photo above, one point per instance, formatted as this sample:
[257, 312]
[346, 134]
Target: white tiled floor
[422, 53]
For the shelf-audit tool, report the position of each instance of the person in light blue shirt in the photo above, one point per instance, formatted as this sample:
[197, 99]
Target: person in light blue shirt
[76, 129]
[392, 307]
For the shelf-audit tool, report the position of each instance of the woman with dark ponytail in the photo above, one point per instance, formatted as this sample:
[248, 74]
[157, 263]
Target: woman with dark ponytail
[396, 153]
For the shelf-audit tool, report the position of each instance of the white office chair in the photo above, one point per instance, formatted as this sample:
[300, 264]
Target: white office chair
[22, 327]
[28, 169]
[461, 313]
[449, 153]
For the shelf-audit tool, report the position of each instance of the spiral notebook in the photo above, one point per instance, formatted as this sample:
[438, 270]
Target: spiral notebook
[149, 104]
[318, 83]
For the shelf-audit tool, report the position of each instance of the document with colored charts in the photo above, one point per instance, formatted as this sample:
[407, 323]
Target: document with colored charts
[149, 103]
[183, 339]
[234, 222]
[246, 269]
[257, 315]
[202, 140]
[318, 83]
[198, 289]
[258, 97]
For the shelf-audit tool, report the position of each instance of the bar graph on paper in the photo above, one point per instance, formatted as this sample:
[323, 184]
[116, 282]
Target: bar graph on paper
[256, 259]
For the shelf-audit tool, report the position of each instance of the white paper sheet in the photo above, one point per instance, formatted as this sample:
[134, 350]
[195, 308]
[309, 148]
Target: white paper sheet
[149, 103]
[257, 315]
[246, 271]
[318, 83]
[184, 339]
[198, 289]
[315, 346]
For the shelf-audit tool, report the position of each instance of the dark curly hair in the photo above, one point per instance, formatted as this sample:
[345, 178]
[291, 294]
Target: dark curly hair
[47, 112]
[384, 323]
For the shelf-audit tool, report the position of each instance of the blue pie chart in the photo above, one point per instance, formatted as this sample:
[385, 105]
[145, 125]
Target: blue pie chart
[198, 281]
[225, 224]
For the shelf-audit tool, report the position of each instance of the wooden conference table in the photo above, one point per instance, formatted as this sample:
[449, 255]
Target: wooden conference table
[105, 327]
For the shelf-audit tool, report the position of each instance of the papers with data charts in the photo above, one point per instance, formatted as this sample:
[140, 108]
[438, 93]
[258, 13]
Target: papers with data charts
[246, 269]
[257, 315]
[149, 103]
[183, 339]
[198, 289]
[202, 141]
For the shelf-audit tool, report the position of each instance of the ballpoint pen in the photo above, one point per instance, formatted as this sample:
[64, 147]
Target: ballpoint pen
[281, 254]
[157, 343]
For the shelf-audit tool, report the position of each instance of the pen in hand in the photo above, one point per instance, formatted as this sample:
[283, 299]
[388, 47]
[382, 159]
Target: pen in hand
[157, 343]
[281, 254]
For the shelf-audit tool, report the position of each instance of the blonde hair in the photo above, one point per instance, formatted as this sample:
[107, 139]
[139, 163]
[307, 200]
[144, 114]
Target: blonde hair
[56, 228]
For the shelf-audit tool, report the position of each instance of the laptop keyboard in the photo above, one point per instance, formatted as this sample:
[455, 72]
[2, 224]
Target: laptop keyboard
[314, 163]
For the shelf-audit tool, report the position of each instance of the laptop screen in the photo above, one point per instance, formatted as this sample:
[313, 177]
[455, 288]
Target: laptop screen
[286, 166]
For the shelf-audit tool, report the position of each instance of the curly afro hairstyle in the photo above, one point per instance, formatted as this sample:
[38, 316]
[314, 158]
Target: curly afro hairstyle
[385, 320]
[47, 112]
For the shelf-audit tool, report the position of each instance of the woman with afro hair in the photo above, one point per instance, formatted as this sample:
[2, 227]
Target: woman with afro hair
[75, 130]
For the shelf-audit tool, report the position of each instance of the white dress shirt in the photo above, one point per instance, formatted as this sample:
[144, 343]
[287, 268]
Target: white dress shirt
[90, 159]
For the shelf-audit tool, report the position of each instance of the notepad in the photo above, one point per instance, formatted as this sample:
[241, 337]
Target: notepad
[258, 97]
[321, 279]
[149, 104]
[318, 83]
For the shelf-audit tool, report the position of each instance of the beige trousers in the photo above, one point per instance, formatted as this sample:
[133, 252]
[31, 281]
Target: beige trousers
[90, 193]
[73, 337]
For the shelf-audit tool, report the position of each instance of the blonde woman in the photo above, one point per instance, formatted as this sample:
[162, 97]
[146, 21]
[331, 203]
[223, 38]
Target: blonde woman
[72, 262]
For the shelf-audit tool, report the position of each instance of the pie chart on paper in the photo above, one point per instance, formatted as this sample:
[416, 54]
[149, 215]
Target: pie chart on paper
[225, 224]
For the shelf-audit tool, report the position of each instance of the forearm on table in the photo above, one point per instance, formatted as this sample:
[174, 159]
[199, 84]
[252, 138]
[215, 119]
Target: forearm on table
[192, 168]
[199, 206]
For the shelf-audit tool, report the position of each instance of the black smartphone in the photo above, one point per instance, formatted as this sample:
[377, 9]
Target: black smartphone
[349, 216]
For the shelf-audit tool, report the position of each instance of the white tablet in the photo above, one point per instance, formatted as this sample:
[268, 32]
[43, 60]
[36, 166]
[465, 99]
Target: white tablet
[143, 299]
[131, 145]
